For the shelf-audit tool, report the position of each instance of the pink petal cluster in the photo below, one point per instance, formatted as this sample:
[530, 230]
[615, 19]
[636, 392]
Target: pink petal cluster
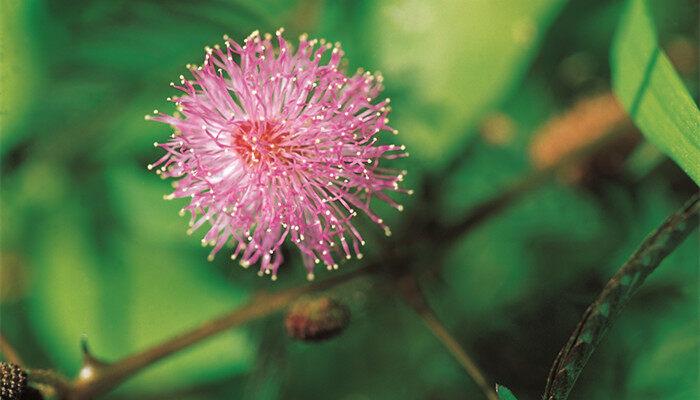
[272, 143]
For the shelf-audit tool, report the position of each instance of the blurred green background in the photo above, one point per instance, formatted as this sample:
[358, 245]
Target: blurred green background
[89, 246]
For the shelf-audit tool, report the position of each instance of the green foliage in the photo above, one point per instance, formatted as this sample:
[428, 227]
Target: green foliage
[142, 294]
[646, 353]
[674, 343]
[652, 92]
[440, 89]
[504, 393]
[603, 312]
[498, 272]
[18, 72]
[102, 254]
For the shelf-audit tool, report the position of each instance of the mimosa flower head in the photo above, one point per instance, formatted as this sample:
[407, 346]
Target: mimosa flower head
[272, 143]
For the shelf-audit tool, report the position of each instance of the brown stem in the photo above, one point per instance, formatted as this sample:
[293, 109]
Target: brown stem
[9, 352]
[51, 383]
[601, 314]
[103, 377]
[412, 294]
[100, 378]
[492, 206]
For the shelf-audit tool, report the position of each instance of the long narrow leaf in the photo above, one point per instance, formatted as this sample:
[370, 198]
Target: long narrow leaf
[652, 92]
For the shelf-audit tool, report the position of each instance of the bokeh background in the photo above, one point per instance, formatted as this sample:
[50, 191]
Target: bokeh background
[89, 246]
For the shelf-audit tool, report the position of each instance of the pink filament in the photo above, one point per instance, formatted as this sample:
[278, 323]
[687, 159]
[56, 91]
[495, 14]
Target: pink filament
[273, 144]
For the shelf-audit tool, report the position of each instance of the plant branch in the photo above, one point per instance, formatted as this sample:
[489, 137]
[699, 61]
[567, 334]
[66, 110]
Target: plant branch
[48, 382]
[601, 314]
[492, 206]
[9, 353]
[98, 378]
[51, 383]
[414, 297]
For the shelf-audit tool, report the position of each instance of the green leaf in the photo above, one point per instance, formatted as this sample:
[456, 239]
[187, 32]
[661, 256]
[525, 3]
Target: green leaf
[651, 91]
[504, 393]
[674, 342]
[127, 293]
[21, 76]
[449, 62]
[544, 227]
[144, 213]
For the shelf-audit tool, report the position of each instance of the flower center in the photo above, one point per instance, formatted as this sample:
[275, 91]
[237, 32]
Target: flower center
[260, 142]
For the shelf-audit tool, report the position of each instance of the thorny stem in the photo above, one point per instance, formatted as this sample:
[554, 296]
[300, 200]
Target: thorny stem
[414, 297]
[601, 314]
[97, 378]
[103, 377]
[49, 381]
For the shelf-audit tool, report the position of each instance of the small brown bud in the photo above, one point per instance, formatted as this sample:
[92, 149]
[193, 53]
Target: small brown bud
[316, 319]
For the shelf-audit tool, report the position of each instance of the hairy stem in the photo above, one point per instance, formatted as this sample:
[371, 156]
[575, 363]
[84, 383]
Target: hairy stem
[412, 294]
[97, 378]
[601, 314]
[9, 353]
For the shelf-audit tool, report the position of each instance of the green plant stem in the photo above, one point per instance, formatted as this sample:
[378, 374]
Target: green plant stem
[601, 314]
[97, 378]
[414, 297]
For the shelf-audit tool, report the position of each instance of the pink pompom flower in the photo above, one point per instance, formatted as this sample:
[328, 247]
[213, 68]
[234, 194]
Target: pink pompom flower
[272, 143]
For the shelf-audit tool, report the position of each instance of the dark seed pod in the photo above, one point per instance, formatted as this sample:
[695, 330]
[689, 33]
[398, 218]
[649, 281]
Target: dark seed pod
[316, 319]
[14, 382]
